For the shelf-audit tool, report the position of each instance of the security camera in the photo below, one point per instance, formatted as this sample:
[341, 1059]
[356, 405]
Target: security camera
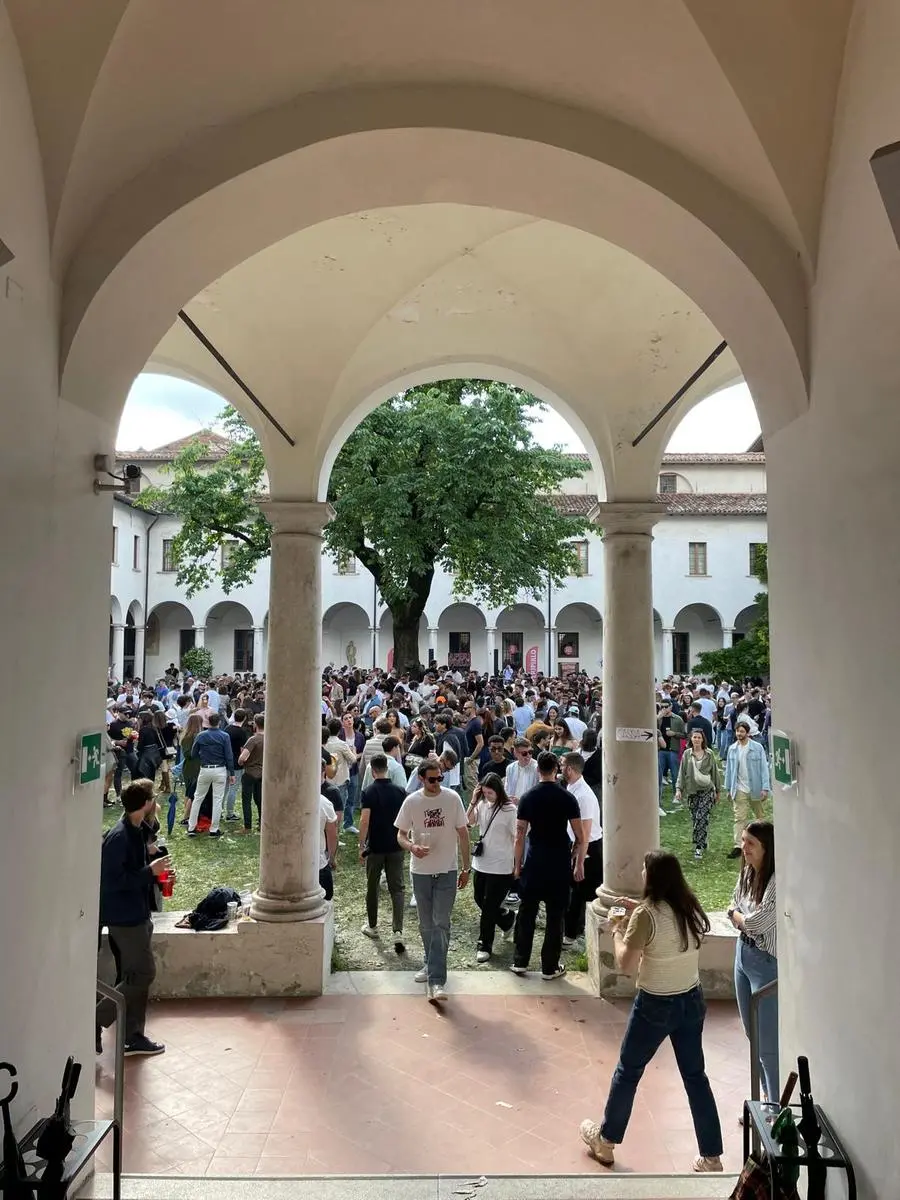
[128, 482]
[132, 477]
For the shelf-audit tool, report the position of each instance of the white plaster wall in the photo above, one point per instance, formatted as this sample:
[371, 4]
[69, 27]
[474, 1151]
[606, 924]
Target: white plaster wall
[720, 477]
[835, 587]
[728, 588]
[127, 584]
[341, 624]
[55, 546]
[170, 626]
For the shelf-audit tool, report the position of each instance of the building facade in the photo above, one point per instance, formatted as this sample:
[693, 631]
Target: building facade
[703, 588]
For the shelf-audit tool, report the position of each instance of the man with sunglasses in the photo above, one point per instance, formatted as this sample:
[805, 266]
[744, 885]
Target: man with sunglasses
[432, 826]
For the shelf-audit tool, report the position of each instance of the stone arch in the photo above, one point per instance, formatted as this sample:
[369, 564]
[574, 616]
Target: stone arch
[643, 197]
[461, 630]
[520, 628]
[578, 638]
[342, 624]
[702, 626]
[170, 631]
[229, 636]
[135, 614]
[115, 611]
[745, 619]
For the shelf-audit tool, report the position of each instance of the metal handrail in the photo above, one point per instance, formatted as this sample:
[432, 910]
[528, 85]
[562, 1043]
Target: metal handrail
[756, 999]
[110, 993]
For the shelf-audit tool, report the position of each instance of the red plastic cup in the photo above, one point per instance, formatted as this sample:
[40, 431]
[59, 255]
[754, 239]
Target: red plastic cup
[166, 883]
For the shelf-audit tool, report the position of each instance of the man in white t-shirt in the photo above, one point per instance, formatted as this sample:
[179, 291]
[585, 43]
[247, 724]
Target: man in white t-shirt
[215, 700]
[522, 773]
[707, 706]
[432, 826]
[589, 807]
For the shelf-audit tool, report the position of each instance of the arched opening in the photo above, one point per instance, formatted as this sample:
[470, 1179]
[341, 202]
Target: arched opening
[170, 634]
[133, 619]
[522, 639]
[385, 656]
[698, 627]
[346, 637]
[462, 638]
[744, 621]
[579, 639]
[229, 637]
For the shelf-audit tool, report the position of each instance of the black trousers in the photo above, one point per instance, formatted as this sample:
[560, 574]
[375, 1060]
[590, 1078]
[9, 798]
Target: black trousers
[583, 893]
[326, 881]
[251, 793]
[552, 890]
[124, 759]
[135, 972]
[490, 892]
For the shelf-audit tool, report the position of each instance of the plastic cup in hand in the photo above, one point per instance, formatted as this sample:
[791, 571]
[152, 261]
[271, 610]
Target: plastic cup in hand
[166, 881]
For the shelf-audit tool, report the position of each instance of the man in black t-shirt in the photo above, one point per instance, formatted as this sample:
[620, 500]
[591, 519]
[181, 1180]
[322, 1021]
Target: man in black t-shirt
[545, 814]
[126, 756]
[239, 733]
[379, 849]
[697, 721]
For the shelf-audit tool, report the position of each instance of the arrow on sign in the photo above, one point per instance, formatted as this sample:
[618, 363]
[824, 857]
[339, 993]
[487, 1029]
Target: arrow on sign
[628, 733]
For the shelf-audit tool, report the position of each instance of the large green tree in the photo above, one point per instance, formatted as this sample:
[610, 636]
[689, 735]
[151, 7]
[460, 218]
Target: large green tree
[448, 476]
[749, 658]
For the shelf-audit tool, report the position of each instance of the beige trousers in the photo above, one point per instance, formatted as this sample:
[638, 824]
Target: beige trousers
[743, 805]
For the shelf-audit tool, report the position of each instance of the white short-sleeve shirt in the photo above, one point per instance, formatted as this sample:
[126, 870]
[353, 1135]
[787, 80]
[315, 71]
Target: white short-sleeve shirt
[434, 821]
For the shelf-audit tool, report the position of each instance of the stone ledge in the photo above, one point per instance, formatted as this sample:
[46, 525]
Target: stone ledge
[716, 960]
[246, 958]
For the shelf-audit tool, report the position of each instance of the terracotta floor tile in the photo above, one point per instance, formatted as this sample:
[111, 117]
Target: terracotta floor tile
[250, 1122]
[260, 1100]
[221, 1165]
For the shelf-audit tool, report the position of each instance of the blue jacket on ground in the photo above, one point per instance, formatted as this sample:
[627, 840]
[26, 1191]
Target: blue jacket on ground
[757, 769]
[213, 748]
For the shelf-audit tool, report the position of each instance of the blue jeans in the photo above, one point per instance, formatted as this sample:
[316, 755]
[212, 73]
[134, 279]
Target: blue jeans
[724, 738]
[435, 895]
[231, 792]
[653, 1019]
[348, 798]
[668, 761]
[753, 969]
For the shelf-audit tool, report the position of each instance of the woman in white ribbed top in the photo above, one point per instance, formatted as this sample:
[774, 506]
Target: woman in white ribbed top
[662, 944]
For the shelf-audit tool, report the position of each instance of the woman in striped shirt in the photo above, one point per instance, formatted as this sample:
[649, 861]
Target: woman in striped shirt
[753, 915]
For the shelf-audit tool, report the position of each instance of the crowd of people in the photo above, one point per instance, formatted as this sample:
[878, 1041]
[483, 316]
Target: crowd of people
[416, 768]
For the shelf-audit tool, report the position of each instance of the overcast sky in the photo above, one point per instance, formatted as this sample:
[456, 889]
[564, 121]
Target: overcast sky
[160, 409]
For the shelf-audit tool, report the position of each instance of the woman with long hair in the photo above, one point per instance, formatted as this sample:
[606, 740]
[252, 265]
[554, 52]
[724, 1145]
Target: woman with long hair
[564, 739]
[422, 740]
[753, 914]
[190, 767]
[700, 780]
[493, 859]
[662, 944]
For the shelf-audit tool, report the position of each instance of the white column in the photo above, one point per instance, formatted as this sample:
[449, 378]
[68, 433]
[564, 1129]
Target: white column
[491, 641]
[199, 635]
[118, 652]
[289, 843]
[630, 800]
[140, 666]
[376, 647]
[550, 649]
[668, 658]
[259, 650]
[432, 640]
[727, 639]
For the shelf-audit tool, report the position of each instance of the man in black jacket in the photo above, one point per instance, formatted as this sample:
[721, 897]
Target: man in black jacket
[126, 879]
[379, 849]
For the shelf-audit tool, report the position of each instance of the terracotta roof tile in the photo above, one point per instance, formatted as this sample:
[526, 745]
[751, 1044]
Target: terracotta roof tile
[573, 505]
[217, 446]
[716, 504]
[712, 459]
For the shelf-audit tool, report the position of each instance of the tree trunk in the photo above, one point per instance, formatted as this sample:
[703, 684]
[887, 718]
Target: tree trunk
[406, 646]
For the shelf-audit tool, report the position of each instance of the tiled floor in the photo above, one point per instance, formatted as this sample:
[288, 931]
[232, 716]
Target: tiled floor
[373, 1084]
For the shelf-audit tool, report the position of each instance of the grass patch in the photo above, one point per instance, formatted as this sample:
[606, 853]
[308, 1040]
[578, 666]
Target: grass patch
[232, 861]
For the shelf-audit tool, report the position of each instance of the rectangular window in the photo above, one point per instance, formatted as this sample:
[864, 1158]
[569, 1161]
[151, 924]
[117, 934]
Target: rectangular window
[346, 564]
[243, 650]
[459, 650]
[228, 549]
[681, 653]
[136, 553]
[668, 484]
[115, 545]
[581, 550]
[186, 641]
[168, 558]
[511, 649]
[697, 558]
[755, 548]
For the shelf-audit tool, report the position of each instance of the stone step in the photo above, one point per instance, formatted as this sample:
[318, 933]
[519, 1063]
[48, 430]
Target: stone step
[416, 1187]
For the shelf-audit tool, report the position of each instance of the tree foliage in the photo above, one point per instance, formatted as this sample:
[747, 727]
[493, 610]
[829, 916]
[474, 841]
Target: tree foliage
[748, 659]
[198, 661]
[448, 476]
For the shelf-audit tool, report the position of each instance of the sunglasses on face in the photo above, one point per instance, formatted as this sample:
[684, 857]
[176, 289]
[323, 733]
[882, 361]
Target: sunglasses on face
[433, 778]
[524, 753]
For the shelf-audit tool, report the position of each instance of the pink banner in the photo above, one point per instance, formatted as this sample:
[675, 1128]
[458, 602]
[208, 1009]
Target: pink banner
[531, 660]
[390, 660]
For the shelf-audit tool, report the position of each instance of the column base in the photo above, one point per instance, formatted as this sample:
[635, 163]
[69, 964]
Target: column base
[310, 907]
[606, 898]
[247, 958]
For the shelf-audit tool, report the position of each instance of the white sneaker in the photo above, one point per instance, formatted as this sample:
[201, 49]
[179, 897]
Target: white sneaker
[421, 976]
[557, 974]
[602, 1150]
[370, 931]
[568, 943]
[437, 995]
[482, 956]
[662, 811]
[521, 971]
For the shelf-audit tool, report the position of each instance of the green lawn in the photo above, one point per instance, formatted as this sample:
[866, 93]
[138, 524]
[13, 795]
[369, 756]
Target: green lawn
[232, 861]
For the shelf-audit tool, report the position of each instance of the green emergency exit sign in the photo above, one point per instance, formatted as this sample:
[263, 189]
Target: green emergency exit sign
[784, 764]
[89, 758]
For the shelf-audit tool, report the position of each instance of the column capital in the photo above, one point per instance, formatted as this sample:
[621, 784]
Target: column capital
[307, 517]
[433, 629]
[117, 625]
[629, 516]
[198, 628]
[490, 629]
